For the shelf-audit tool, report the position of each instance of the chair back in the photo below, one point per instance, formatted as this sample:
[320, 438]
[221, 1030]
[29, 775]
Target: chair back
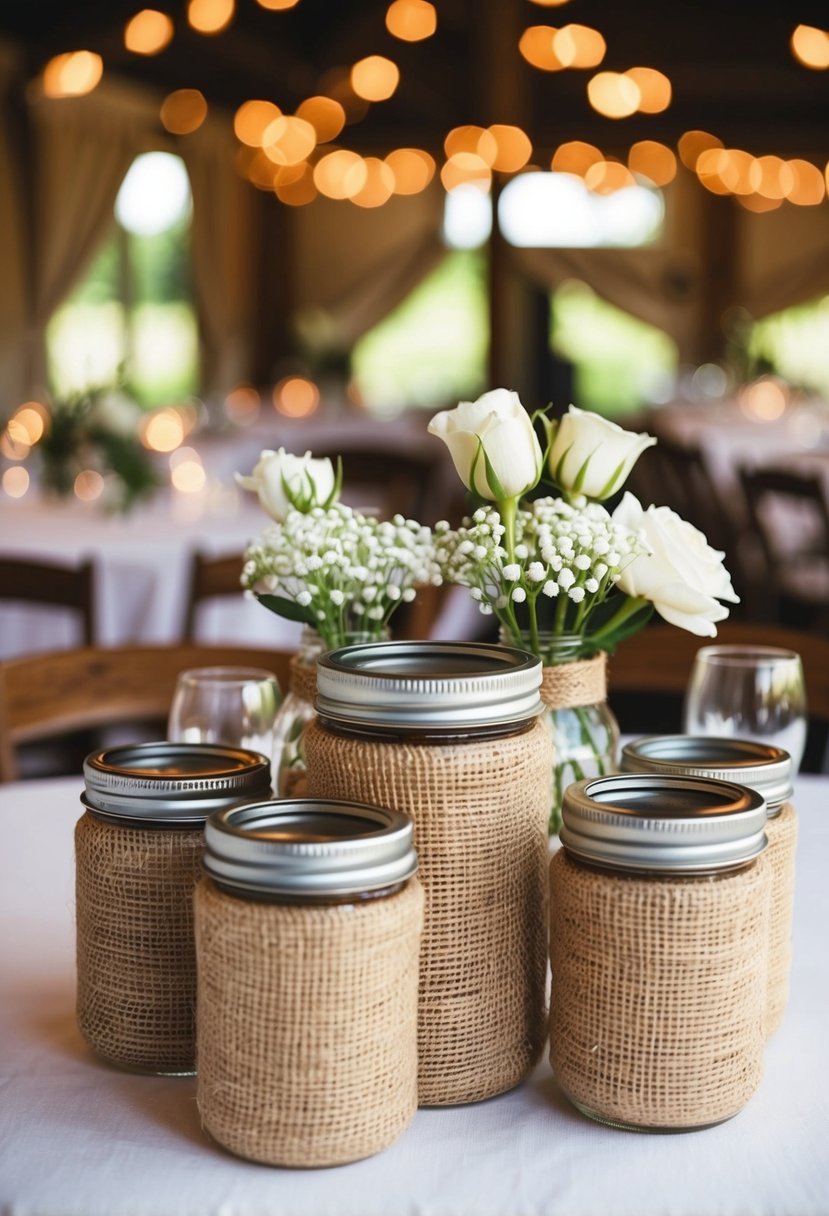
[53, 585]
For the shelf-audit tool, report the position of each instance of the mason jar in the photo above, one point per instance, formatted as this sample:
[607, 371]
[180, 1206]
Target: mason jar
[764, 768]
[659, 909]
[307, 927]
[449, 733]
[138, 850]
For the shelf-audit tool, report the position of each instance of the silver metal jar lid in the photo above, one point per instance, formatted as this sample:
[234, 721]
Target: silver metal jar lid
[639, 821]
[172, 784]
[760, 766]
[308, 848]
[428, 686]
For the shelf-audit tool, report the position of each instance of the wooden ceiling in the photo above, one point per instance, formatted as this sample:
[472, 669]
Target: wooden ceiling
[729, 63]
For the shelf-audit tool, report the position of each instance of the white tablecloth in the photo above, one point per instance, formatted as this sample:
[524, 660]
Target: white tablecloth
[80, 1139]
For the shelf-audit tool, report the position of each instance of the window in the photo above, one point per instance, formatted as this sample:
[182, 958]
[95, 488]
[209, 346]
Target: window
[795, 344]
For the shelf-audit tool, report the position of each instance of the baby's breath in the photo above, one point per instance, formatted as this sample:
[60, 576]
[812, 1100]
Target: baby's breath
[338, 570]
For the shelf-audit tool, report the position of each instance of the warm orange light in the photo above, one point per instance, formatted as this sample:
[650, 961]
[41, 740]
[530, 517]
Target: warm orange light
[148, 32]
[288, 140]
[464, 168]
[693, 143]
[379, 184]
[16, 481]
[473, 139]
[513, 148]
[579, 46]
[654, 89]
[772, 178]
[254, 166]
[340, 174]
[299, 190]
[536, 45]
[210, 16]
[88, 485]
[575, 157]
[286, 175]
[756, 202]
[296, 397]
[32, 418]
[72, 74]
[251, 119]
[187, 471]
[375, 78]
[243, 404]
[412, 169]
[277, 6]
[325, 115]
[549, 3]
[711, 163]
[735, 170]
[810, 46]
[765, 400]
[809, 186]
[336, 84]
[14, 442]
[183, 111]
[652, 160]
[613, 94]
[607, 177]
[162, 431]
[411, 20]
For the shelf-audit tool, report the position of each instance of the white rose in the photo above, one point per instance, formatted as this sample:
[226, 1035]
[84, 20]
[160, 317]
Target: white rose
[591, 455]
[498, 426]
[284, 481]
[682, 576]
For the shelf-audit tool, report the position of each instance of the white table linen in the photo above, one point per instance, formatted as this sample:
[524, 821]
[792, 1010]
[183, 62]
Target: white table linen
[78, 1138]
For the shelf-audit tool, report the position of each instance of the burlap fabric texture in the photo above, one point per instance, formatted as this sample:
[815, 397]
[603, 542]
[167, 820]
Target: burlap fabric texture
[480, 812]
[577, 683]
[303, 679]
[658, 992]
[307, 1024]
[136, 995]
[781, 831]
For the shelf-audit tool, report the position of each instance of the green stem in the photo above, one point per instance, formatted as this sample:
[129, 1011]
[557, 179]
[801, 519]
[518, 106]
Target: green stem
[508, 509]
[632, 605]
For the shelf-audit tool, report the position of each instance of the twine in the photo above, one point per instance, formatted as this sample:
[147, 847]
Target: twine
[136, 995]
[781, 831]
[303, 678]
[580, 682]
[658, 992]
[480, 812]
[307, 1025]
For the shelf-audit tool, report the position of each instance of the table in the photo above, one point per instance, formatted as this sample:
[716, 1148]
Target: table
[78, 1138]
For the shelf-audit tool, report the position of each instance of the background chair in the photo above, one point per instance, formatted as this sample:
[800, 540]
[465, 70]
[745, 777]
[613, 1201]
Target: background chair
[51, 585]
[46, 697]
[211, 578]
[648, 675]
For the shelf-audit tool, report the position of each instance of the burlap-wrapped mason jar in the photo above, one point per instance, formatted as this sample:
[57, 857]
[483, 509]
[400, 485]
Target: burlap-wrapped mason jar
[307, 926]
[659, 911]
[449, 734]
[764, 768]
[138, 850]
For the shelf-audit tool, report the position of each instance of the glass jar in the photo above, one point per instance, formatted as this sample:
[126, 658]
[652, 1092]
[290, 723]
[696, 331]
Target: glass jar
[583, 728]
[138, 850]
[307, 927]
[659, 909]
[449, 734]
[768, 770]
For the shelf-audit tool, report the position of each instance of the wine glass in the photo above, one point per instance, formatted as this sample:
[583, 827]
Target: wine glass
[232, 705]
[748, 692]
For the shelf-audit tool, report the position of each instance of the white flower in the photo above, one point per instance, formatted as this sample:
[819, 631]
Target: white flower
[512, 572]
[336, 597]
[303, 599]
[682, 576]
[496, 429]
[566, 579]
[591, 455]
[536, 572]
[284, 481]
[519, 595]
[550, 587]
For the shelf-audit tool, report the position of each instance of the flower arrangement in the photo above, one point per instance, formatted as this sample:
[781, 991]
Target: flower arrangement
[325, 564]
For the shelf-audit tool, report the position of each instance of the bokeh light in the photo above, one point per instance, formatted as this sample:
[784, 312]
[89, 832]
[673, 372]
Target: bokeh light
[579, 46]
[513, 148]
[340, 174]
[243, 404]
[375, 78]
[162, 431]
[88, 485]
[465, 168]
[413, 169]
[251, 120]
[210, 16]
[654, 89]
[411, 20]
[288, 140]
[16, 481]
[575, 157]
[187, 471]
[536, 46]
[692, 144]
[299, 190]
[325, 115]
[613, 94]
[652, 160]
[183, 111]
[296, 397]
[148, 32]
[72, 74]
[810, 46]
[809, 187]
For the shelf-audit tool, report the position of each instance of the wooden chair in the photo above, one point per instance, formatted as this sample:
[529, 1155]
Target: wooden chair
[648, 676]
[49, 696]
[52, 585]
[210, 578]
[789, 514]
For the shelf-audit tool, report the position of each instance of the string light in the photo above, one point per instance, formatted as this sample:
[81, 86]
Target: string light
[183, 111]
[210, 16]
[536, 46]
[251, 120]
[413, 169]
[298, 191]
[148, 32]
[654, 89]
[325, 115]
[340, 174]
[379, 184]
[579, 46]
[513, 148]
[693, 143]
[810, 46]
[375, 78]
[72, 74]
[613, 94]
[411, 20]
[296, 397]
[652, 160]
[288, 140]
[575, 157]
[16, 481]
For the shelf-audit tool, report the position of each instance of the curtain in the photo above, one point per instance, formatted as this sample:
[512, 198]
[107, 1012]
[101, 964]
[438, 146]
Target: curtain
[222, 256]
[14, 239]
[83, 148]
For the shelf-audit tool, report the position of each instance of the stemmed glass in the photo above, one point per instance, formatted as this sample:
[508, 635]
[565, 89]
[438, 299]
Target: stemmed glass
[748, 692]
[233, 705]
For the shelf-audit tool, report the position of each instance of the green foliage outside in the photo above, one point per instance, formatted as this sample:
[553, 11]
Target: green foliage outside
[795, 343]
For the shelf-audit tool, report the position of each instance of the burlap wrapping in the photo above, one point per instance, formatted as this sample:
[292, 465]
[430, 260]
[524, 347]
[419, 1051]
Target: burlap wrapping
[580, 682]
[658, 992]
[136, 998]
[307, 1025]
[303, 678]
[781, 831]
[480, 829]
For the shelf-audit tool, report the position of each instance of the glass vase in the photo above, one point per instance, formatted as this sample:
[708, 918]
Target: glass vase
[584, 729]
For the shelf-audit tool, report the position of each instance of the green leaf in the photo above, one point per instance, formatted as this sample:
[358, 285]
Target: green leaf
[492, 477]
[625, 629]
[609, 486]
[289, 609]
[338, 485]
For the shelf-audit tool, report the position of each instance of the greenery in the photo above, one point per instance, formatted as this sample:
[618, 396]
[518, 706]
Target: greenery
[795, 343]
